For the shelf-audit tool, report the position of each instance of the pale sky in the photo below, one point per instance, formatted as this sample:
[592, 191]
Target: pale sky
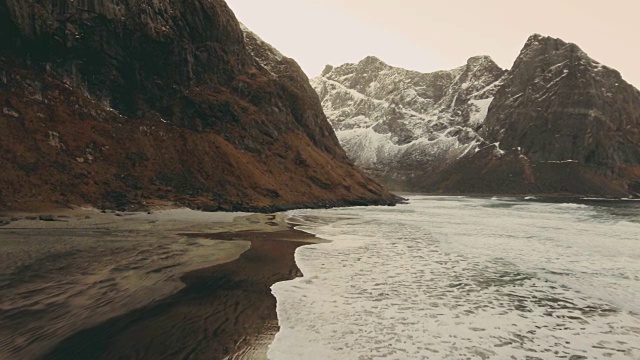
[428, 35]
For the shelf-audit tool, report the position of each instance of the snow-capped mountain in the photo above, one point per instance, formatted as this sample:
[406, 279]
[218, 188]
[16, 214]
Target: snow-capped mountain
[396, 123]
[557, 122]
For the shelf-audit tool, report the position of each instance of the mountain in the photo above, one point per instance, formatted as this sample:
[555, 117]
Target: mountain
[121, 104]
[556, 123]
[397, 123]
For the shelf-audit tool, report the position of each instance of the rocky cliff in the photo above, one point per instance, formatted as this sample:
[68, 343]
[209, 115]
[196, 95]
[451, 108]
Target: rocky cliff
[557, 123]
[123, 103]
[559, 105]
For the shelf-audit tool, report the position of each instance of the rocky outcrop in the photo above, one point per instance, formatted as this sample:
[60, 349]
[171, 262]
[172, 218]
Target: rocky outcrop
[123, 103]
[557, 123]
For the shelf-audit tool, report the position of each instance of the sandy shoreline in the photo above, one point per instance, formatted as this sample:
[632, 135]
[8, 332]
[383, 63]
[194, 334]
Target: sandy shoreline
[172, 284]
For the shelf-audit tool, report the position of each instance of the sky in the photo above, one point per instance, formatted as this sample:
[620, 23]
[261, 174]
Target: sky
[429, 35]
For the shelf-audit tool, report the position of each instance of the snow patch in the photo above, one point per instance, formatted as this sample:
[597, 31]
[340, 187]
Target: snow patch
[481, 108]
[560, 161]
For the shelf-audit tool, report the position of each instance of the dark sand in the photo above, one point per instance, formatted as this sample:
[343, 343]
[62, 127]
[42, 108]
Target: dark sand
[219, 312]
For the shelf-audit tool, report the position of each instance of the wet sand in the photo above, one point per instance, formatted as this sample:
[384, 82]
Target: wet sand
[218, 313]
[142, 286]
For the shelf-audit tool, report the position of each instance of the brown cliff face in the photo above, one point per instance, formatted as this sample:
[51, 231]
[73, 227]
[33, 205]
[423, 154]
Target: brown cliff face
[118, 103]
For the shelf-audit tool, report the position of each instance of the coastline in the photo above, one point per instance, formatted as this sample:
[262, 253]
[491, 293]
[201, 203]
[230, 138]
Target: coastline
[214, 301]
[544, 197]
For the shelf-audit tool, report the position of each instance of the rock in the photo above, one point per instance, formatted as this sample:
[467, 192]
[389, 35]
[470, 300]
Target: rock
[47, 218]
[327, 70]
[578, 357]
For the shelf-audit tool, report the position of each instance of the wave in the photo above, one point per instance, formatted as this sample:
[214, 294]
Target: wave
[450, 280]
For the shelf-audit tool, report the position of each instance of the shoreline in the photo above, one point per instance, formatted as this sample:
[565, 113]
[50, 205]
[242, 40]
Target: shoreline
[142, 285]
[551, 198]
[223, 310]
[150, 205]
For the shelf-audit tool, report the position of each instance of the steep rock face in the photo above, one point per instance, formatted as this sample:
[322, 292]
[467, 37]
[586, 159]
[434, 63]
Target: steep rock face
[118, 103]
[398, 123]
[557, 123]
[557, 104]
[562, 123]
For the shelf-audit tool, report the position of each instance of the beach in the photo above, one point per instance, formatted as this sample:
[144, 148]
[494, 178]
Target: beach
[77, 284]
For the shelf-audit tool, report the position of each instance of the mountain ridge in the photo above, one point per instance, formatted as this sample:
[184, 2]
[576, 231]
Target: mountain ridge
[422, 121]
[566, 95]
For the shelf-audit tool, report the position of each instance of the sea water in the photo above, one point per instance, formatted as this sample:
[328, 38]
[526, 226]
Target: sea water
[458, 278]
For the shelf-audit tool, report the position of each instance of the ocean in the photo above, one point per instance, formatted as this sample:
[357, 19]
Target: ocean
[458, 278]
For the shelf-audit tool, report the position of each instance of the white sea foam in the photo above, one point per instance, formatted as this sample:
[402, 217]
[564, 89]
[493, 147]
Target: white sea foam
[452, 278]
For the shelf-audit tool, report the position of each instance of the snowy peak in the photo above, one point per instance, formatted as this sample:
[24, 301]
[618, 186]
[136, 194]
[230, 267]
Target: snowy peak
[370, 61]
[538, 39]
[548, 45]
[481, 61]
[548, 67]
[374, 78]
[478, 80]
[394, 121]
[546, 50]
